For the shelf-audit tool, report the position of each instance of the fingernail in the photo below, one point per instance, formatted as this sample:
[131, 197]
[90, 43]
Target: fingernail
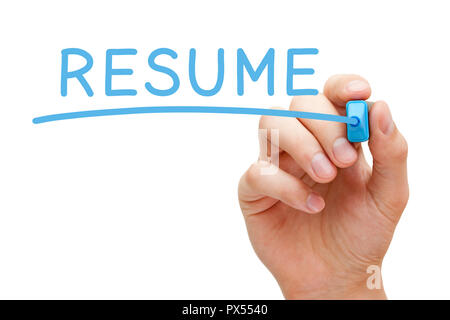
[315, 203]
[386, 124]
[356, 85]
[322, 166]
[344, 151]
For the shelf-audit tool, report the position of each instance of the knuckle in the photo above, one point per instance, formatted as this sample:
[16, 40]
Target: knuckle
[268, 122]
[253, 174]
[401, 152]
[401, 200]
[264, 122]
[331, 81]
[298, 102]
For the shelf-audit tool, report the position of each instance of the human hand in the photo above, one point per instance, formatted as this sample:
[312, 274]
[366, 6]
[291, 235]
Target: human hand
[325, 216]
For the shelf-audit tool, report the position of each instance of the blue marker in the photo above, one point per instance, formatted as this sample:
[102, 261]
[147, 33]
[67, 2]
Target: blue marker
[358, 132]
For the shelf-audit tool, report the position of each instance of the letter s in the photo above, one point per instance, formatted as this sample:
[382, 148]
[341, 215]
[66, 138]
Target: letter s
[162, 69]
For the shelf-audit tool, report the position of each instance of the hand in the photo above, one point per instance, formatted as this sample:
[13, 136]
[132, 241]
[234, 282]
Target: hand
[325, 215]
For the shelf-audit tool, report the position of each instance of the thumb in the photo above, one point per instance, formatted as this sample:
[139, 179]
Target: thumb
[389, 182]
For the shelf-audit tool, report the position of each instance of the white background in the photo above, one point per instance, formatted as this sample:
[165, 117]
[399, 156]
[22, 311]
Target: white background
[146, 206]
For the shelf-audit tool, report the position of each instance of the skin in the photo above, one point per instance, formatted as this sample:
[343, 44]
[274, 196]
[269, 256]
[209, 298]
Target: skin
[318, 228]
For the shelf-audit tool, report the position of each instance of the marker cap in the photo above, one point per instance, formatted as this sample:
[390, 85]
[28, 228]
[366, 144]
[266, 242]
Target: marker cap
[358, 132]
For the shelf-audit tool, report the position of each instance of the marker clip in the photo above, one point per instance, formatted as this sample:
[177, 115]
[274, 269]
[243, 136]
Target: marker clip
[358, 132]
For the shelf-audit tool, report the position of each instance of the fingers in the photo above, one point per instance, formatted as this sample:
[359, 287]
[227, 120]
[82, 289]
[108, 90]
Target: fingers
[331, 135]
[389, 182]
[255, 186]
[342, 88]
[302, 146]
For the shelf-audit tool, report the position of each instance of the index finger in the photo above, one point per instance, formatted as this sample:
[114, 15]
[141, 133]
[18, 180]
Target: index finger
[340, 89]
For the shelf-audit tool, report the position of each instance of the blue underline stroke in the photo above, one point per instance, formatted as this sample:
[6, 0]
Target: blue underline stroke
[194, 109]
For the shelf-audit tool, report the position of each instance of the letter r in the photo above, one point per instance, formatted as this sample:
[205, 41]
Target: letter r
[65, 74]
